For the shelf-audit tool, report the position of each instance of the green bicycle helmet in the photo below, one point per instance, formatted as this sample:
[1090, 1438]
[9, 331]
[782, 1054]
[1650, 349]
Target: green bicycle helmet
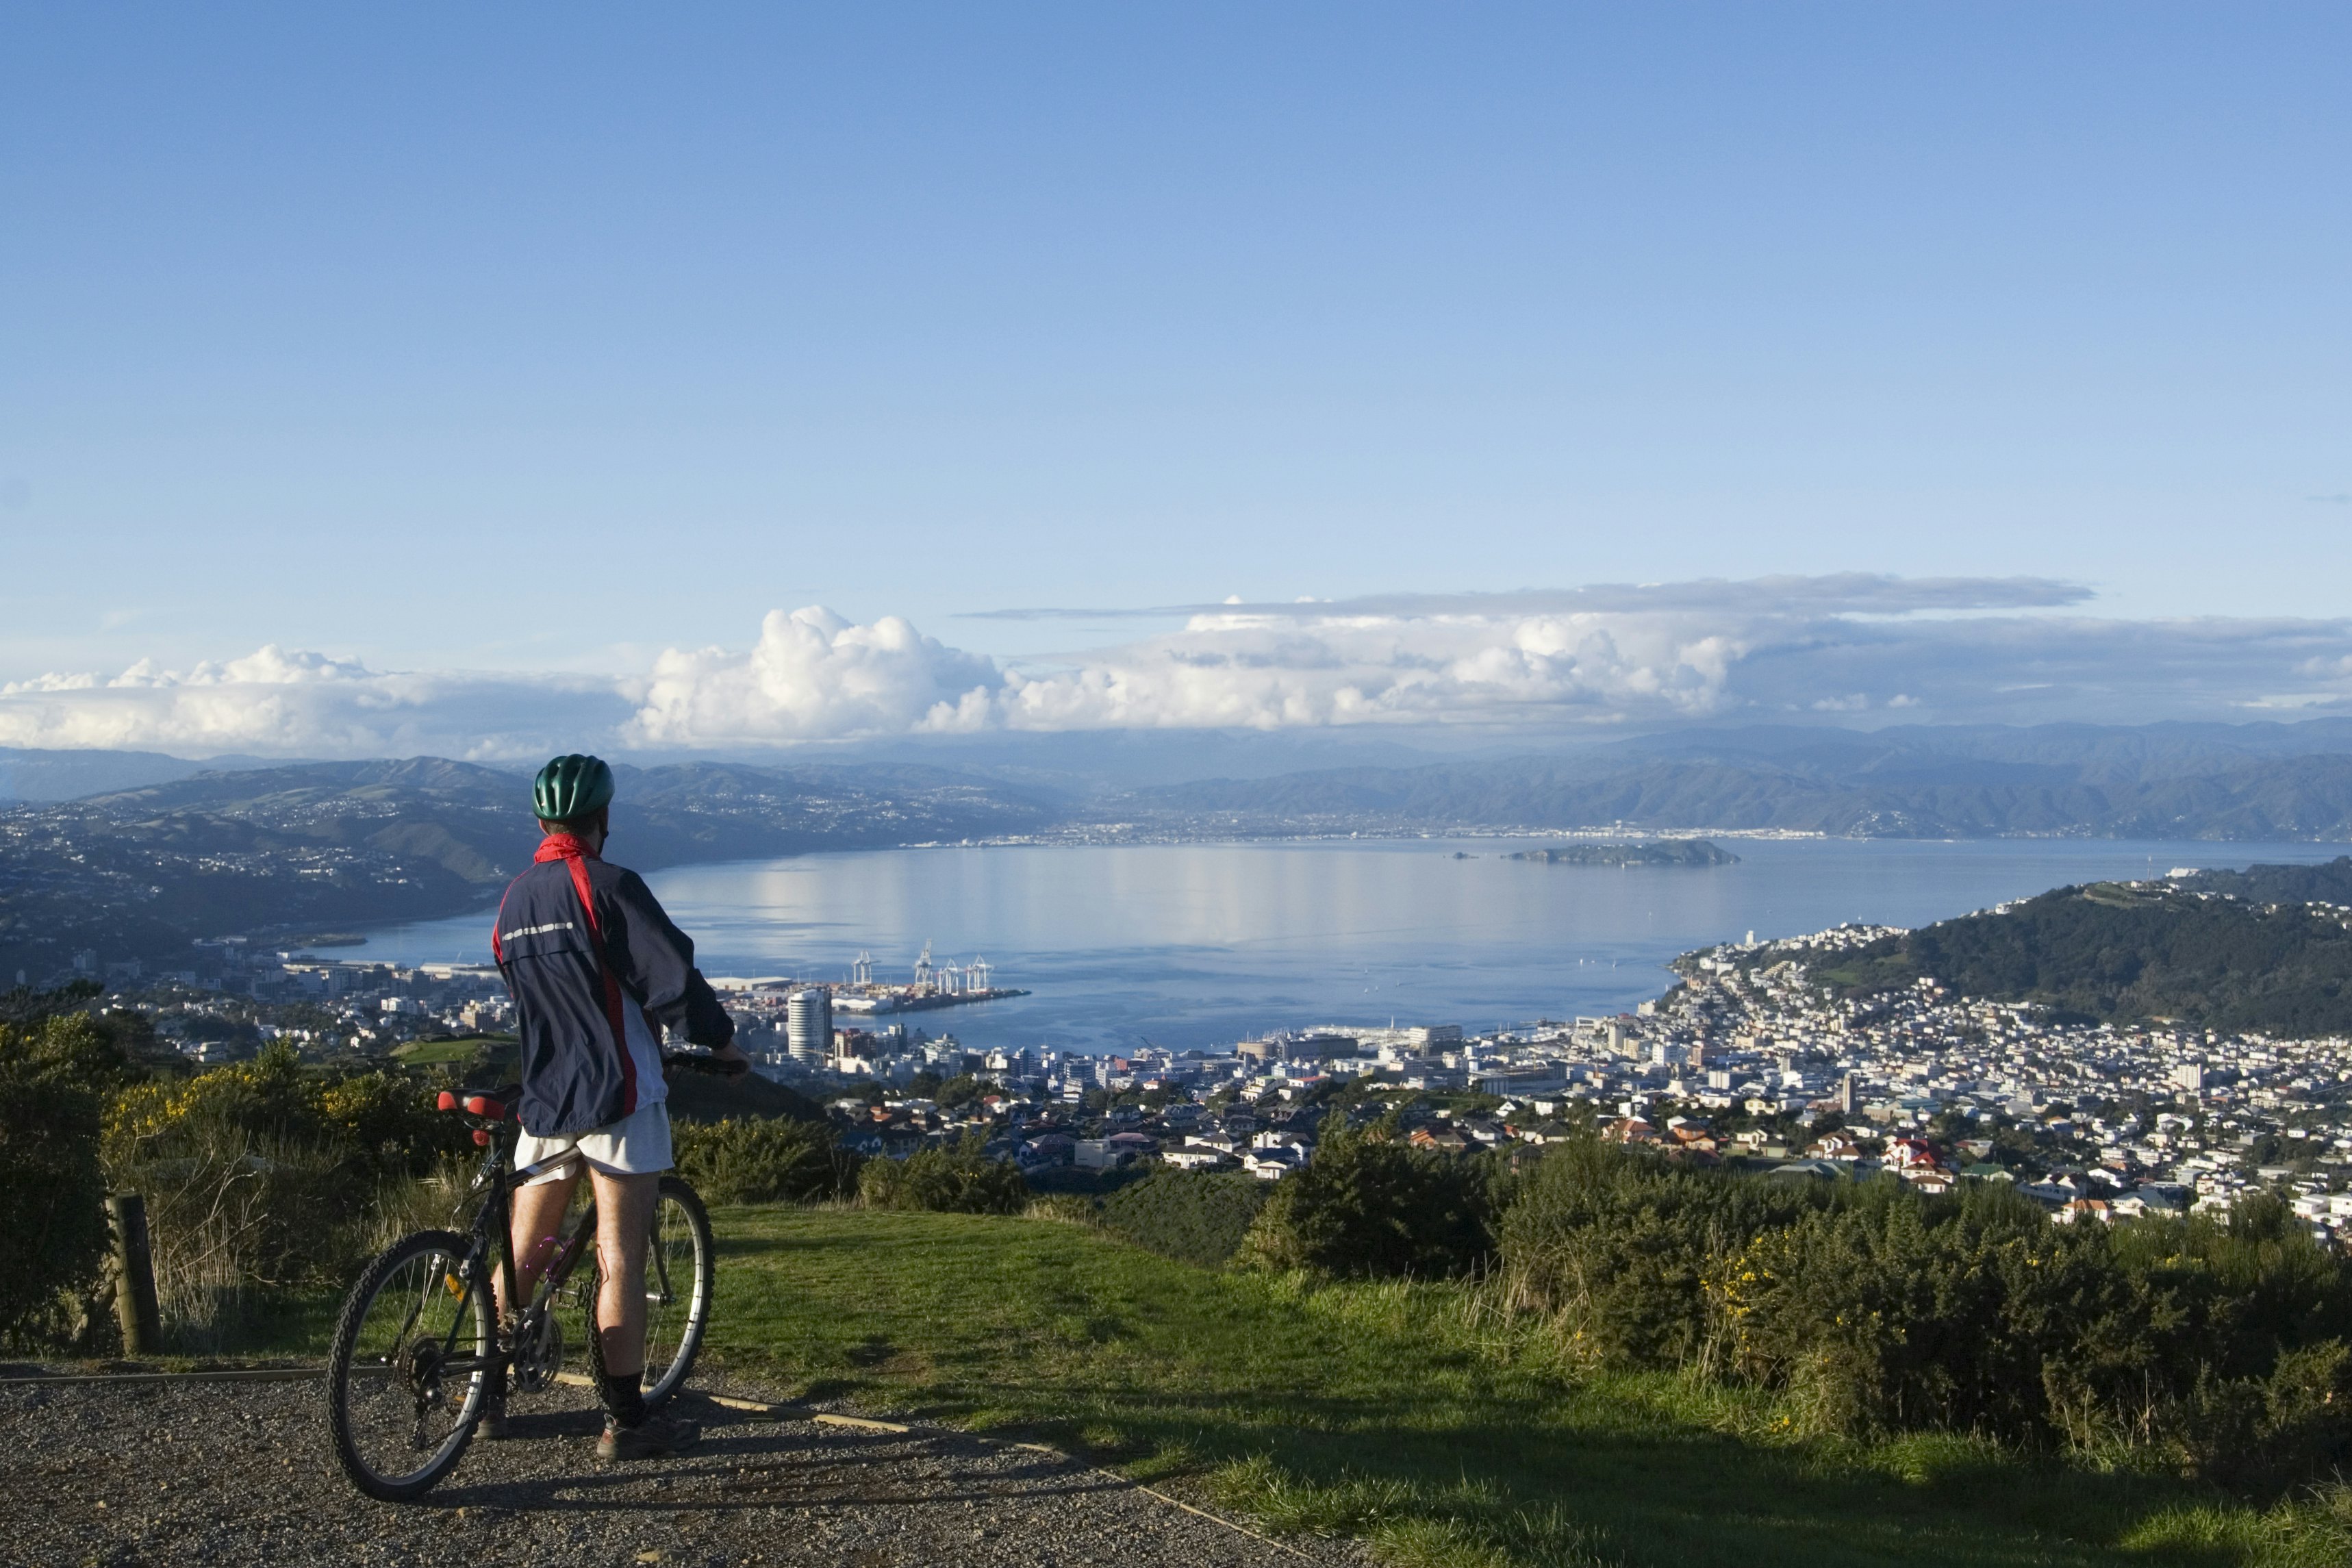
[571, 787]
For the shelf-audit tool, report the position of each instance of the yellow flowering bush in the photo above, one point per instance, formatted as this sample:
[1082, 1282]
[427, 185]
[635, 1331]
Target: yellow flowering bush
[264, 1174]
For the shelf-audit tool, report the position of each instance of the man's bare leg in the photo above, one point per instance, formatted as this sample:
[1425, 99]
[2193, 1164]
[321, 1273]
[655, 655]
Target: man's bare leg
[624, 1213]
[535, 1232]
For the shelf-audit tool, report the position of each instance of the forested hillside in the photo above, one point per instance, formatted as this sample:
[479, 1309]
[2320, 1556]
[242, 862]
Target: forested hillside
[2330, 883]
[2132, 954]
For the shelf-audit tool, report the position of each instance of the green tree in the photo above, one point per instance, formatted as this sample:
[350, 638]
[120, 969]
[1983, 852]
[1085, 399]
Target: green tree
[53, 1075]
[963, 1089]
[1369, 1203]
[764, 1161]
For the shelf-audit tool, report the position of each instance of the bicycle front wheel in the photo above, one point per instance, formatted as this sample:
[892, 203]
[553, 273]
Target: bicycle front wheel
[679, 1271]
[410, 1365]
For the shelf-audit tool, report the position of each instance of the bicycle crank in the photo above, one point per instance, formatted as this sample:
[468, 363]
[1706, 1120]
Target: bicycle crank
[538, 1350]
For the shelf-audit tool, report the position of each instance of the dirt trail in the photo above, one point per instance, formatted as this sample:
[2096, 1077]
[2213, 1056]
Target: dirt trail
[240, 1473]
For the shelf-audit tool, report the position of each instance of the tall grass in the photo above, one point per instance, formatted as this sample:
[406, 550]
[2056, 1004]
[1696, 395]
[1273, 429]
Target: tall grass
[235, 1220]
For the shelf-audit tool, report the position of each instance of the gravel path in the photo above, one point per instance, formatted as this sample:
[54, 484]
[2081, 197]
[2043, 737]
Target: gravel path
[239, 1473]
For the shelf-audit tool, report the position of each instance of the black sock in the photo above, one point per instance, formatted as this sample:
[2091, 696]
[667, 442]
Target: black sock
[623, 1399]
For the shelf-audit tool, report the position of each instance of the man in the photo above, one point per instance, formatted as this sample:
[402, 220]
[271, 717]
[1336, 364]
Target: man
[597, 972]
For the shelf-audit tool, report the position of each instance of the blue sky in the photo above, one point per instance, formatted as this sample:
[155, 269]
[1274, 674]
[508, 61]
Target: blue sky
[424, 339]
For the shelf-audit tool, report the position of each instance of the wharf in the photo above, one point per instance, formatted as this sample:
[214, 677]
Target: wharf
[914, 1001]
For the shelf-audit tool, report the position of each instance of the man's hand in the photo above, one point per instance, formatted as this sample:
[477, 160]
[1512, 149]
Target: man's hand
[733, 1060]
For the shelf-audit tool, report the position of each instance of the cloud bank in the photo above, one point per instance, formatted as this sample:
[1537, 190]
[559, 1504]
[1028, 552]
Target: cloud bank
[1850, 648]
[274, 702]
[814, 675]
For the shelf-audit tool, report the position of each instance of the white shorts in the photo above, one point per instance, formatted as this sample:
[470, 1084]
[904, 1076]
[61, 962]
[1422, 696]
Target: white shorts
[635, 1145]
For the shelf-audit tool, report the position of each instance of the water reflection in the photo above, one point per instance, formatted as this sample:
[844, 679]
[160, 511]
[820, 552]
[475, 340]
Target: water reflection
[1200, 944]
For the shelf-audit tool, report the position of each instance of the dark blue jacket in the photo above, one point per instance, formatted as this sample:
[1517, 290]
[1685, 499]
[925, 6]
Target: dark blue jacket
[591, 960]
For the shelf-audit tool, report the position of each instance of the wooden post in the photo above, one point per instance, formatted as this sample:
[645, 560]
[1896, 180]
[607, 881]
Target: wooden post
[134, 1276]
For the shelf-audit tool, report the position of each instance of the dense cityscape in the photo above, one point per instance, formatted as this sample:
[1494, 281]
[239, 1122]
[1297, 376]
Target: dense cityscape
[1745, 1058]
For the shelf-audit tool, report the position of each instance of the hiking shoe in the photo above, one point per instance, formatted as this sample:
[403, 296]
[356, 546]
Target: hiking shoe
[649, 1440]
[492, 1422]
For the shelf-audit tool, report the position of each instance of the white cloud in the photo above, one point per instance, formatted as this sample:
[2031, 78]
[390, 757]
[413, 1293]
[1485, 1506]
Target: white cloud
[1264, 671]
[274, 701]
[814, 675]
[1841, 593]
[1851, 650]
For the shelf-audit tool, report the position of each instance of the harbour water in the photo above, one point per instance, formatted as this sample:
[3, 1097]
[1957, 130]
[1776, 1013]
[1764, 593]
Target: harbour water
[1199, 944]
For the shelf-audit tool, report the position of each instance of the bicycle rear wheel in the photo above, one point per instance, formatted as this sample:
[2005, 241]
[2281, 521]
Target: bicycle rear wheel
[407, 1374]
[680, 1268]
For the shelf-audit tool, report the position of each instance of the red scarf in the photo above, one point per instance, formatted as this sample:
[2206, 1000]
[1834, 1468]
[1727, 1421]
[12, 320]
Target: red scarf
[562, 847]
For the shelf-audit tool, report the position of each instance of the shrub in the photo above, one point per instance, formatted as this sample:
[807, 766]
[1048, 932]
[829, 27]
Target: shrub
[383, 1123]
[1369, 1203]
[2273, 1430]
[955, 1178]
[2217, 1347]
[1192, 1216]
[263, 1175]
[1891, 1313]
[53, 1232]
[764, 1161]
[2219, 1344]
[1616, 1247]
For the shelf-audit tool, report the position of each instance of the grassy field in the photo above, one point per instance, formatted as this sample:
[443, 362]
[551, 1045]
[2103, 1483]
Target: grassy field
[462, 1052]
[1393, 1412]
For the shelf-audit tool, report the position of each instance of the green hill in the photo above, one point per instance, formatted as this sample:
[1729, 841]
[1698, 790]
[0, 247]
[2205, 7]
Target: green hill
[2131, 954]
[698, 1097]
[1418, 1416]
[2327, 883]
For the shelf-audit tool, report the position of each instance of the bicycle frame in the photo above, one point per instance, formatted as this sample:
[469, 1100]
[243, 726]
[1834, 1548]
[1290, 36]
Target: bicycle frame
[420, 1355]
[492, 1234]
[493, 1229]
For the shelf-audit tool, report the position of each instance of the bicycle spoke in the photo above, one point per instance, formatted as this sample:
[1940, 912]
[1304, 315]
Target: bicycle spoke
[658, 1258]
[677, 1288]
[411, 1354]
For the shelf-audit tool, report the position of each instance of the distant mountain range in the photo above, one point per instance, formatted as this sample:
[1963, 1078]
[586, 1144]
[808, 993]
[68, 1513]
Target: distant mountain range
[37, 775]
[162, 850]
[2164, 780]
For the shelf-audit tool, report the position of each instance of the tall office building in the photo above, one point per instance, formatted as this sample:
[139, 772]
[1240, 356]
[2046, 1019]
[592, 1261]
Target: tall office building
[808, 1026]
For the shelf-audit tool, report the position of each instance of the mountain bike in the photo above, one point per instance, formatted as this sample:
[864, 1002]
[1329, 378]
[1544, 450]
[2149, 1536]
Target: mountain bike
[420, 1337]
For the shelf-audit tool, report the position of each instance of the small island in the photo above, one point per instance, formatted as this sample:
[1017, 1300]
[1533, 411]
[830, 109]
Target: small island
[1659, 852]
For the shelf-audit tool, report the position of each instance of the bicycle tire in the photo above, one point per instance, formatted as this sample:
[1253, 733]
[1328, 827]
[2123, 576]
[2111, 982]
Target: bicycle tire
[364, 1402]
[688, 1281]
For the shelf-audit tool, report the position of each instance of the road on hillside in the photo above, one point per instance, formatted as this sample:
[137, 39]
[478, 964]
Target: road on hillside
[239, 1473]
